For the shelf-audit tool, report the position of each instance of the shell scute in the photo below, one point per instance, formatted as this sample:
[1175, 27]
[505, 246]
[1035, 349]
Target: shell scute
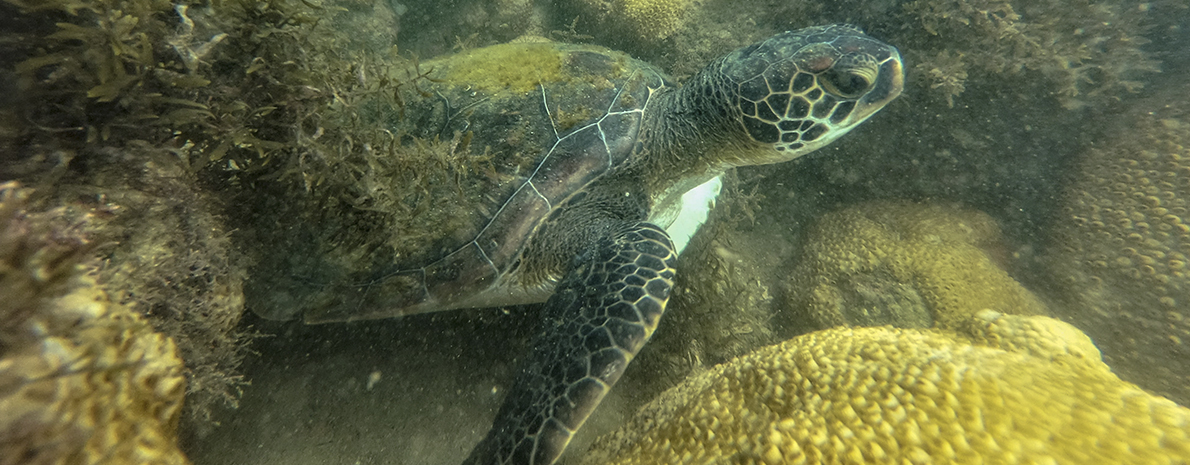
[573, 162]
[448, 279]
[504, 236]
[619, 131]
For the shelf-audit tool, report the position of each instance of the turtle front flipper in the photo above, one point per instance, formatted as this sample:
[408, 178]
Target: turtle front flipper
[601, 314]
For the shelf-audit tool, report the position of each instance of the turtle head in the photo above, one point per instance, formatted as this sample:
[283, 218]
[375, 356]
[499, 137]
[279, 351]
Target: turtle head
[798, 91]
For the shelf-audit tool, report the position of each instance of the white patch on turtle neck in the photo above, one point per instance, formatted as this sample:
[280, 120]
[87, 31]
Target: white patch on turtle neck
[696, 204]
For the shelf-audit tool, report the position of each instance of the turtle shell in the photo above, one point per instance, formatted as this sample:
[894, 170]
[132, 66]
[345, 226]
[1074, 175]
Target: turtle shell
[547, 118]
[534, 123]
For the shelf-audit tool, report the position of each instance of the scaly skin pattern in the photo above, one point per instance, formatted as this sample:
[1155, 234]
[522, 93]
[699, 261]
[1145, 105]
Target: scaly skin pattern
[596, 322]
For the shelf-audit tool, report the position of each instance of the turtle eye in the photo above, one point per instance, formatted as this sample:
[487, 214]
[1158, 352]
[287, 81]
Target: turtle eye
[846, 84]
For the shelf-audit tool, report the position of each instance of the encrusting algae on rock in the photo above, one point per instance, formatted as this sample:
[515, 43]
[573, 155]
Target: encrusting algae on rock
[83, 380]
[1005, 389]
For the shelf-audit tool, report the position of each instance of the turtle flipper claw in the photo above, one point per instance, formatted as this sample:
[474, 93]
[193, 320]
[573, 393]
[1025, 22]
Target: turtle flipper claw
[602, 313]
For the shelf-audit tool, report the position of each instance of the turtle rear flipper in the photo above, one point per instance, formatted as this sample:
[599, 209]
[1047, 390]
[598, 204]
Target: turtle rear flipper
[601, 314]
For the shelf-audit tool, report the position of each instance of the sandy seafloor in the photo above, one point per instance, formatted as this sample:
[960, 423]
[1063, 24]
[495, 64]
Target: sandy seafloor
[364, 394]
[419, 390]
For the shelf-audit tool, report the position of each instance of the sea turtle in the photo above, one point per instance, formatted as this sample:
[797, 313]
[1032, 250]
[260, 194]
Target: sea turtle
[602, 169]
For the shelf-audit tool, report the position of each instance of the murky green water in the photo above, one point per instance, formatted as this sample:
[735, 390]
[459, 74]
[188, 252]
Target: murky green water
[227, 156]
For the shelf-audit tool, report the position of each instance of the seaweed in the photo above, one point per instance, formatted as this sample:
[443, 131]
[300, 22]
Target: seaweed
[146, 110]
[1089, 51]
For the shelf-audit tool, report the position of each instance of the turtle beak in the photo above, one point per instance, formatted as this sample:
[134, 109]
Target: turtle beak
[889, 83]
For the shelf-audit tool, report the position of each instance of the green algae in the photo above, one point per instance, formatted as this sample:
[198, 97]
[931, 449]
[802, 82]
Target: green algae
[517, 68]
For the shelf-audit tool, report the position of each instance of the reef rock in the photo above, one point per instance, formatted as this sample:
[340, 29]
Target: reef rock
[83, 380]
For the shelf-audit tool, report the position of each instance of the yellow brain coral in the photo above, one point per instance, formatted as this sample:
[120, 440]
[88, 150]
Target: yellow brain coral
[82, 380]
[1122, 247]
[905, 264]
[646, 20]
[1008, 389]
[652, 19]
